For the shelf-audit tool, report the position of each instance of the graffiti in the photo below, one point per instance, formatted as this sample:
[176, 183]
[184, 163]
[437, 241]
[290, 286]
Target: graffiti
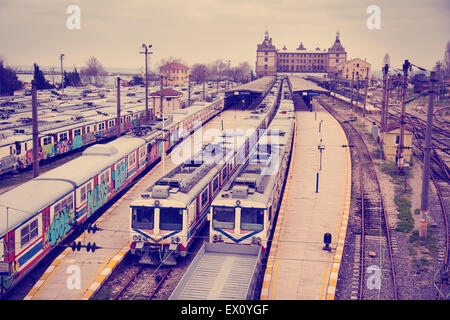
[48, 151]
[63, 147]
[96, 198]
[60, 226]
[120, 175]
[77, 142]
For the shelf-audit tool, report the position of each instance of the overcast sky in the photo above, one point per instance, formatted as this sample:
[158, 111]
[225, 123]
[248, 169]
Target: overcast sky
[207, 30]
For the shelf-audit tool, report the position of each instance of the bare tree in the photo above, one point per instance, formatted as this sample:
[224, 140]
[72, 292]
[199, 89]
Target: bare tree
[93, 72]
[199, 72]
[218, 68]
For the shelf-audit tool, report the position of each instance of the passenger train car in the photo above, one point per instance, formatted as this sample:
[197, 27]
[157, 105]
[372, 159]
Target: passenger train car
[244, 211]
[39, 214]
[166, 219]
[16, 151]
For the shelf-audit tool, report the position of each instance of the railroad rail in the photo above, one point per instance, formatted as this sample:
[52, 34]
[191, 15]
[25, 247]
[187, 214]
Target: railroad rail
[374, 224]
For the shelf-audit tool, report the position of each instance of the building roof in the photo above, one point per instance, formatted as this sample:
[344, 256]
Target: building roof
[395, 125]
[349, 61]
[173, 65]
[166, 92]
[337, 46]
[261, 85]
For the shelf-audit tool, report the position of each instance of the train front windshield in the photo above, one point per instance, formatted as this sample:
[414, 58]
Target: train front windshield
[170, 218]
[143, 217]
[223, 218]
[252, 219]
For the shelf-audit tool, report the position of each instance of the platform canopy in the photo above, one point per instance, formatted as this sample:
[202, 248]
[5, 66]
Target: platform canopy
[261, 86]
[299, 84]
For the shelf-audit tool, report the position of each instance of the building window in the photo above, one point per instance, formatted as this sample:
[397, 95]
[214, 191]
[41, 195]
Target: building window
[265, 59]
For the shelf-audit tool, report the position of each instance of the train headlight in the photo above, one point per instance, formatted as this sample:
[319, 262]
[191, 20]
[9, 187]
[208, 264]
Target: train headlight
[215, 238]
[256, 240]
[136, 238]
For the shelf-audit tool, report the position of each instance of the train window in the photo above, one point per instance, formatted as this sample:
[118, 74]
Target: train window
[77, 132]
[215, 184]
[83, 194]
[204, 197]
[29, 232]
[143, 217]
[63, 136]
[223, 217]
[252, 219]
[170, 218]
[46, 140]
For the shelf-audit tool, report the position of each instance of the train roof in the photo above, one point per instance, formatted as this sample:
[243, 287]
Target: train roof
[220, 271]
[24, 201]
[254, 182]
[94, 160]
[181, 185]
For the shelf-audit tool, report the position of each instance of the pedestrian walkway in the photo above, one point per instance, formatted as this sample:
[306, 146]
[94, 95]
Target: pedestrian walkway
[316, 201]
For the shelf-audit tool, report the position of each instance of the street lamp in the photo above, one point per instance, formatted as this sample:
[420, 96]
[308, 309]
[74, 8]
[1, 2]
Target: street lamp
[146, 52]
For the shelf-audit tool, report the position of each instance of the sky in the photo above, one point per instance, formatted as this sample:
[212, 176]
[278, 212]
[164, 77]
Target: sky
[202, 31]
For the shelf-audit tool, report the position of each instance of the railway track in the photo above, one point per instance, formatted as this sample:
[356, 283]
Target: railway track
[439, 176]
[376, 280]
[143, 282]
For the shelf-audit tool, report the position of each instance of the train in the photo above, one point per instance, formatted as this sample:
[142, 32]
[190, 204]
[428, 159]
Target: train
[16, 151]
[170, 214]
[40, 214]
[244, 212]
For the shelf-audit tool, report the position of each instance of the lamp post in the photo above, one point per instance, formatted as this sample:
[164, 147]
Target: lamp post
[146, 52]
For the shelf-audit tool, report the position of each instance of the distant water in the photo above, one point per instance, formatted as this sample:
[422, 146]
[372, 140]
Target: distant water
[56, 78]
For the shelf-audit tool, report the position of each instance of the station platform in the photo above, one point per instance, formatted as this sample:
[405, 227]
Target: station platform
[297, 267]
[77, 275]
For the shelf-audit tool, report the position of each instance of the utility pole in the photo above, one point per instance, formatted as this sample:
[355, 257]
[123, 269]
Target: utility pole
[389, 89]
[357, 93]
[383, 98]
[365, 94]
[426, 160]
[147, 53]
[34, 116]
[189, 91]
[406, 67]
[204, 78]
[62, 72]
[351, 100]
[118, 107]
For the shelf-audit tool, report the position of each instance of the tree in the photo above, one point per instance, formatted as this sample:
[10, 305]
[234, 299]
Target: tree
[138, 80]
[241, 73]
[94, 72]
[72, 78]
[218, 68]
[39, 79]
[8, 81]
[199, 72]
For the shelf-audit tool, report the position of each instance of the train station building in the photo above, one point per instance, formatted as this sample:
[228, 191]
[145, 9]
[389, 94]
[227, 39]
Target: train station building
[270, 60]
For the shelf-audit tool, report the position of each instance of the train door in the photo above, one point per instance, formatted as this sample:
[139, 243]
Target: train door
[10, 248]
[45, 219]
